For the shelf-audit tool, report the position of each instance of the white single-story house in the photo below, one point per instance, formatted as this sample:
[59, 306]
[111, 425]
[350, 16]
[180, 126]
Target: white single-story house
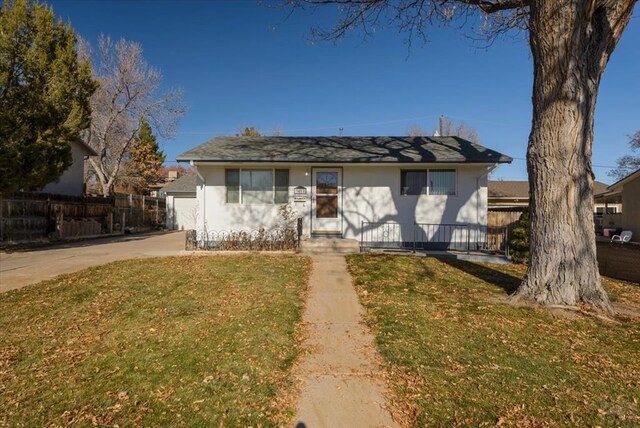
[71, 182]
[182, 211]
[348, 187]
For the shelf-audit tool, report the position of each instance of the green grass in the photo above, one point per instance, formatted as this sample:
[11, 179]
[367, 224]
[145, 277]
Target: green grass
[202, 341]
[457, 357]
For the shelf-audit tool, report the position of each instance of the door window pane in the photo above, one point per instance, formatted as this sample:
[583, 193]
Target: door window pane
[442, 182]
[327, 206]
[282, 186]
[257, 186]
[232, 183]
[327, 183]
[413, 182]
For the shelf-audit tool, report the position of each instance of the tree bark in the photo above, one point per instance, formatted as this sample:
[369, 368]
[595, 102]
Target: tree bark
[571, 41]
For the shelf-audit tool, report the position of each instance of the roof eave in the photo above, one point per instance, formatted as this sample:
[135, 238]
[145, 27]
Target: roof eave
[334, 161]
[618, 184]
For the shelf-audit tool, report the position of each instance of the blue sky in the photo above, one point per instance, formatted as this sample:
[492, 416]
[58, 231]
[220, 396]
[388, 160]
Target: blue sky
[241, 64]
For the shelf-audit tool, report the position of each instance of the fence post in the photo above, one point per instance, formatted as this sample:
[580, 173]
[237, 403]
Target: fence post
[506, 241]
[59, 223]
[110, 223]
[468, 239]
[299, 230]
[130, 210]
[122, 223]
[157, 210]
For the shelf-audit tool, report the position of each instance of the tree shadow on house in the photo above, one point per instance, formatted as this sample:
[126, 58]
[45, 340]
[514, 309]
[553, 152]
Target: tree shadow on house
[507, 282]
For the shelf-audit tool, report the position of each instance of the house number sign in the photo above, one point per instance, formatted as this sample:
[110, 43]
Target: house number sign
[300, 194]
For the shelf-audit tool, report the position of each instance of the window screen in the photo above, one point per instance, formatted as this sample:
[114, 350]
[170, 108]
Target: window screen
[442, 181]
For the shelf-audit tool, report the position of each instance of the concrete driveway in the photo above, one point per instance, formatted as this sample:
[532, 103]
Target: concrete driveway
[27, 267]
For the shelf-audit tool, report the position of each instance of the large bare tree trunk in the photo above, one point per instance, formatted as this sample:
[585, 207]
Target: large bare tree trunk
[571, 41]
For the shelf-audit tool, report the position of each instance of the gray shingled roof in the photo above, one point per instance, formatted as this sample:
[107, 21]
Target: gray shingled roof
[184, 184]
[520, 189]
[343, 150]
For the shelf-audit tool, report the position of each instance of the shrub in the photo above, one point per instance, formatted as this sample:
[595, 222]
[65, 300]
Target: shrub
[519, 243]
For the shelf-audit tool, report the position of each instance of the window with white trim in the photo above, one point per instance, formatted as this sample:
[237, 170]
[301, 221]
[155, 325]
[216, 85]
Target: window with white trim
[428, 182]
[257, 186]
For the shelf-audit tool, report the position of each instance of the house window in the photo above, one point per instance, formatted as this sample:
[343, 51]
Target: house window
[610, 210]
[282, 186]
[413, 182]
[442, 181]
[257, 186]
[232, 183]
[428, 182]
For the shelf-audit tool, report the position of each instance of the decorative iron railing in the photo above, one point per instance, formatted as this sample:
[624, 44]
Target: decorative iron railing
[431, 236]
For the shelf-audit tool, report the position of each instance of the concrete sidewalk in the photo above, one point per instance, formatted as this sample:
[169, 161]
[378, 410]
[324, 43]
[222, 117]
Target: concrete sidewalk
[28, 267]
[340, 387]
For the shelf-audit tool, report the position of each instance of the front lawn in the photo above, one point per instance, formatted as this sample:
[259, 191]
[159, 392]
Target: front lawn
[185, 341]
[456, 356]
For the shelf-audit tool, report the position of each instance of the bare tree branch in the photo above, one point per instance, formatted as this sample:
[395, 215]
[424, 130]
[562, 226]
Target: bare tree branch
[127, 95]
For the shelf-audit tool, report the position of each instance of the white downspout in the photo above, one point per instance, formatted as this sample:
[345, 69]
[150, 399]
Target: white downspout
[486, 173]
[204, 194]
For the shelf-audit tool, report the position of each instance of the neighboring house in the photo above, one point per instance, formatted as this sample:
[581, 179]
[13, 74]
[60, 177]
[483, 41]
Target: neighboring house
[624, 193]
[156, 188]
[335, 184]
[508, 194]
[182, 211]
[71, 182]
[513, 194]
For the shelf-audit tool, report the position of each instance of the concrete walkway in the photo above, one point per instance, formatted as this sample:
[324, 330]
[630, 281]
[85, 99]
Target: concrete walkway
[30, 266]
[340, 388]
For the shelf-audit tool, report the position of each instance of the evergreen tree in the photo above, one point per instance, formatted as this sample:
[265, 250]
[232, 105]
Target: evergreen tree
[44, 95]
[519, 243]
[146, 158]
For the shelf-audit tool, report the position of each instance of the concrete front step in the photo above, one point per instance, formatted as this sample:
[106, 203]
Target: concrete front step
[329, 245]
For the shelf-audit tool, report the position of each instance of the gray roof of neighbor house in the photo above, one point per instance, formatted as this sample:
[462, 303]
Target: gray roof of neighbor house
[520, 189]
[185, 184]
[87, 148]
[343, 150]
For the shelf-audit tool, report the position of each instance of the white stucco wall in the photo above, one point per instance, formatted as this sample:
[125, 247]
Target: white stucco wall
[71, 182]
[370, 193]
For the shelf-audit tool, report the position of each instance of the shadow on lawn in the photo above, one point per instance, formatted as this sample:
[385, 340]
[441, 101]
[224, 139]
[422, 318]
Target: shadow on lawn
[507, 282]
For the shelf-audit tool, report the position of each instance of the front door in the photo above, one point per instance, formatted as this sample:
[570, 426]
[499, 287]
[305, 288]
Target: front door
[327, 201]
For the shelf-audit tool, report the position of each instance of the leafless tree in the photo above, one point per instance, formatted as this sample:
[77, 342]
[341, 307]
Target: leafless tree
[628, 163]
[458, 129]
[416, 130]
[571, 42]
[277, 131]
[127, 95]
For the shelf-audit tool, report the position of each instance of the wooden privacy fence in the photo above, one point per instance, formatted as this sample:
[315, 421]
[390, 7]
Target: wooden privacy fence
[500, 224]
[504, 217]
[26, 217]
[619, 260]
